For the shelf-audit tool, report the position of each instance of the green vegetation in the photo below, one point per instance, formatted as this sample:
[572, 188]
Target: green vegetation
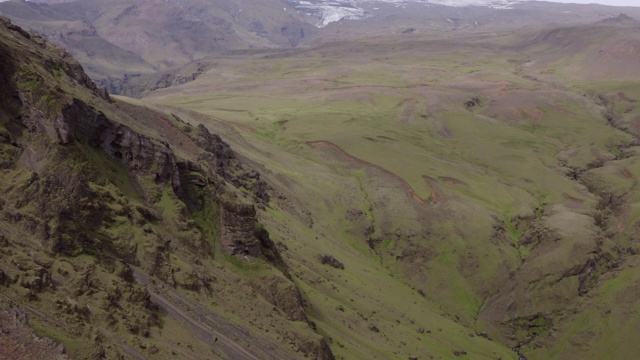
[472, 203]
[474, 194]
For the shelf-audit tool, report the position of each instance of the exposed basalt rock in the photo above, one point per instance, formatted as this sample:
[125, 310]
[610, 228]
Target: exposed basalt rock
[268, 247]
[81, 121]
[222, 162]
[63, 63]
[221, 151]
[144, 157]
[318, 350]
[529, 328]
[324, 352]
[242, 234]
[237, 223]
[589, 272]
[4, 242]
[331, 261]
[586, 273]
[18, 341]
[74, 70]
[137, 152]
[194, 281]
[536, 234]
[138, 86]
[160, 263]
[194, 183]
[141, 155]
[284, 295]
[147, 214]
[121, 297]
[473, 102]
[9, 150]
[37, 280]
[72, 204]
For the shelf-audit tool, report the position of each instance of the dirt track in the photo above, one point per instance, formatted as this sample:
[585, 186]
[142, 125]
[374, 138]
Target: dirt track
[201, 327]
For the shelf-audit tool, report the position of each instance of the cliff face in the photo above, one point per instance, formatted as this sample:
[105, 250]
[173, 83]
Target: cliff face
[238, 224]
[92, 194]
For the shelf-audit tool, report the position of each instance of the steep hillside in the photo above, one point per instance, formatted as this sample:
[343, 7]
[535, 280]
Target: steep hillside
[128, 233]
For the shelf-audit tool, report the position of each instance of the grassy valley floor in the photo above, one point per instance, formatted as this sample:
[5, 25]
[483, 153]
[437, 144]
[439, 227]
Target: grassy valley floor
[472, 196]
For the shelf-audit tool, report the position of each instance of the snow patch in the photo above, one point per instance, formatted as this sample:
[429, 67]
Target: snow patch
[328, 11]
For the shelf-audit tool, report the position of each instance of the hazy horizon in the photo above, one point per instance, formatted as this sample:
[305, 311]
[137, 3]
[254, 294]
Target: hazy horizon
[633, 3]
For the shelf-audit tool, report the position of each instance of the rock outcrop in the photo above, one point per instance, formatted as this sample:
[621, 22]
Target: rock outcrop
[19, 342]
[237, 222]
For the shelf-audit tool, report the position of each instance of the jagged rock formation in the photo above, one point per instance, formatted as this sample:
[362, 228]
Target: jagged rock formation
[238, 226]
[138, 86]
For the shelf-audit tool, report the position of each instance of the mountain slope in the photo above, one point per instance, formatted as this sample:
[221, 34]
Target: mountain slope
[122, 233]
[156, 35]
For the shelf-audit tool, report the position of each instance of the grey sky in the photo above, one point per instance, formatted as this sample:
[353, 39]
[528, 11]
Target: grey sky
[604, 2]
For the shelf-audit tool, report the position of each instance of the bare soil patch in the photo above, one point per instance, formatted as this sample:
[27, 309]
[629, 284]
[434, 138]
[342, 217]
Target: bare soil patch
[337, 152]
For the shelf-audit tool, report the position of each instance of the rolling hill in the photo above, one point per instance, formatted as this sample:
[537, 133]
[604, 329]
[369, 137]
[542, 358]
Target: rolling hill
[481, 169]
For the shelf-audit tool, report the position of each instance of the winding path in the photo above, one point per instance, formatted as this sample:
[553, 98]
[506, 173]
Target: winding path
[202, 327]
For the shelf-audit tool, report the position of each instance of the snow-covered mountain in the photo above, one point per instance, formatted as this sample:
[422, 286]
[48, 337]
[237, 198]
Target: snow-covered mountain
[460, 3]
[328, 11]
[454, 3]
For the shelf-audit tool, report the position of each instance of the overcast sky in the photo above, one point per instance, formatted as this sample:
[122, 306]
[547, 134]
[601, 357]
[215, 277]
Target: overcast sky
[604, 2]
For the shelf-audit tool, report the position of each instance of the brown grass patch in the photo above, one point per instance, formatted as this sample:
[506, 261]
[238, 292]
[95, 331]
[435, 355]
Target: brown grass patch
[353, 162]
[437, 195]
[451, 180]
[625, 173]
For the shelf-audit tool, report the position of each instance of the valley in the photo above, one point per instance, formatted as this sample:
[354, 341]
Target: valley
[459, 160]
[365, 193]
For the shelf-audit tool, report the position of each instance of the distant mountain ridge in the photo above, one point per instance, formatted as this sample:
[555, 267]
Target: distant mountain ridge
[155, 35]
[329, 11]
[120, 40]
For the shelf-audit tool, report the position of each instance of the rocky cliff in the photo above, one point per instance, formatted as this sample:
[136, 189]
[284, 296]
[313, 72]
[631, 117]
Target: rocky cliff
[95, 191]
